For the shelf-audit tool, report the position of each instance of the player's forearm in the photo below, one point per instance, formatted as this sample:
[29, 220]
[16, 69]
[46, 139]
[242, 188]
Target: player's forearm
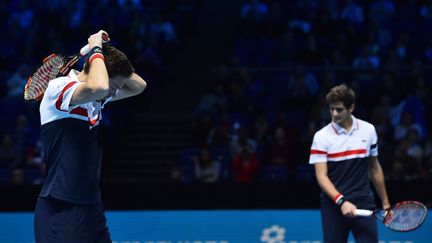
[135, 84]
[97, 79]
[377, 176]
[324, 181]
[327, 186]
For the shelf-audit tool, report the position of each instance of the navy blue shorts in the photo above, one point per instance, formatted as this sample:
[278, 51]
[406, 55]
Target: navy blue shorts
[336, 227]
[59, 221]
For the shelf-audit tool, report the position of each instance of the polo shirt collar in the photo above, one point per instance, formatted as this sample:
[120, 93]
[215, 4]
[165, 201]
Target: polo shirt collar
[340, 130]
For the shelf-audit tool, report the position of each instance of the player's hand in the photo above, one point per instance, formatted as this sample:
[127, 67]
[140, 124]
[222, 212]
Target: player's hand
[386, 206]
[98, 38]
[348, 209]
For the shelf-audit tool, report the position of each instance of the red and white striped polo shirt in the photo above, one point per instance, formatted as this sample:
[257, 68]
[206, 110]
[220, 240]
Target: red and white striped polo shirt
[334, 144]
[346, 154]
[55, 104]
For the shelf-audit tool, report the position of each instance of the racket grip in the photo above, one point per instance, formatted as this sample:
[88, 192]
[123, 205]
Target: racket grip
[85, 49]
[363, 212]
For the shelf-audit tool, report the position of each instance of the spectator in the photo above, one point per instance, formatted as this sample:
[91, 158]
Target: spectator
[383, 108]
[240, 139]
[260, 130]
[214, 100]
[17, 177]
[312, 55]
[175, 175]
[209, 103]
[17, 81]
[220, 134]
[22, 139]
[288, 49]
[35, 162]
[207, 170]
[8, 154]
[281, 149]
[426, 171]
[381, 12]
[366, 59]
[237, 98]
[246, 165]
[408, 157]
[407, 123]
[254, 11]
[201, 130]
[352, 12]
[298, 93]
[163, 30]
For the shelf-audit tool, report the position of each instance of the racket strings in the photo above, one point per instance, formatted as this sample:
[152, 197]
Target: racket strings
[406, 217]
[39, 81]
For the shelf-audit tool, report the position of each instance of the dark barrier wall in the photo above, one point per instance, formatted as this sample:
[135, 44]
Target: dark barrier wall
[210, 196]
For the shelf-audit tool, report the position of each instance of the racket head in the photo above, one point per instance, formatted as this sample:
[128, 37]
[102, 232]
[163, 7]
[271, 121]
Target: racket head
[53, 66]
[38, 81]
[405, 216]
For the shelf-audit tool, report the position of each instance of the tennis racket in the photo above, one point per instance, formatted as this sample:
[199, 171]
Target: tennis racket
[53, 66]
[402, 217]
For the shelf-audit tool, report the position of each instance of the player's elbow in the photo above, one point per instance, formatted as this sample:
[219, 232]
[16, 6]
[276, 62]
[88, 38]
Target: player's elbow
[99, 91]
[138, 84]
[141, 87]
[138, 88]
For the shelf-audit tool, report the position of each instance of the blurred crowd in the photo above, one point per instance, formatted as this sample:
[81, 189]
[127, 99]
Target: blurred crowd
[263, 106]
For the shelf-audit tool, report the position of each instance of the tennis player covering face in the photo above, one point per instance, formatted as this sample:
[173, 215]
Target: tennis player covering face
[344, 154]
[69, 207]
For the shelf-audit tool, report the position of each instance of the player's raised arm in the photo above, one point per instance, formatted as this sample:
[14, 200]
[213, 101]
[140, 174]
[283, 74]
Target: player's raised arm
[95, 83]
[127, 87]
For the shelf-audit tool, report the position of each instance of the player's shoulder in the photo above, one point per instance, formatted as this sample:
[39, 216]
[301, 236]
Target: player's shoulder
[364, 124]
[324, 132]
[60, 83]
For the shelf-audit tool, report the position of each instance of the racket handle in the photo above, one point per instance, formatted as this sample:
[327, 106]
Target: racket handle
[363, 212]
[85, 49]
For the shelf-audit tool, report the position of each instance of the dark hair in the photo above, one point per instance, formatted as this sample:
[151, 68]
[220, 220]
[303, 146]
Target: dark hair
[116, 62]
[341, 93]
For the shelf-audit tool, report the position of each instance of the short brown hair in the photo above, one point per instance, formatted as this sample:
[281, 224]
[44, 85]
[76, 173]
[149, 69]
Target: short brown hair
[341, 93]
[116, 62]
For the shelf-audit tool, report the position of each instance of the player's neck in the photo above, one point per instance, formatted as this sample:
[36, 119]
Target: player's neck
[347, 124]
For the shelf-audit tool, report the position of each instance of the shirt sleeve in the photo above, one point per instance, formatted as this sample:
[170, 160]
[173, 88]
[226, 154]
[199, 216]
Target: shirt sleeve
[374, 144]
[61, 94]
[318, 151]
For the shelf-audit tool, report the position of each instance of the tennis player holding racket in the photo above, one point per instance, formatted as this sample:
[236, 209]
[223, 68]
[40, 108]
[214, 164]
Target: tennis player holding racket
[69, 207]
[344, 154]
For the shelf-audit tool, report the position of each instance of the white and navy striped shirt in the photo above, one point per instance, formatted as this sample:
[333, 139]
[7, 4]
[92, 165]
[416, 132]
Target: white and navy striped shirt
[71, 143]
[346, 154]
